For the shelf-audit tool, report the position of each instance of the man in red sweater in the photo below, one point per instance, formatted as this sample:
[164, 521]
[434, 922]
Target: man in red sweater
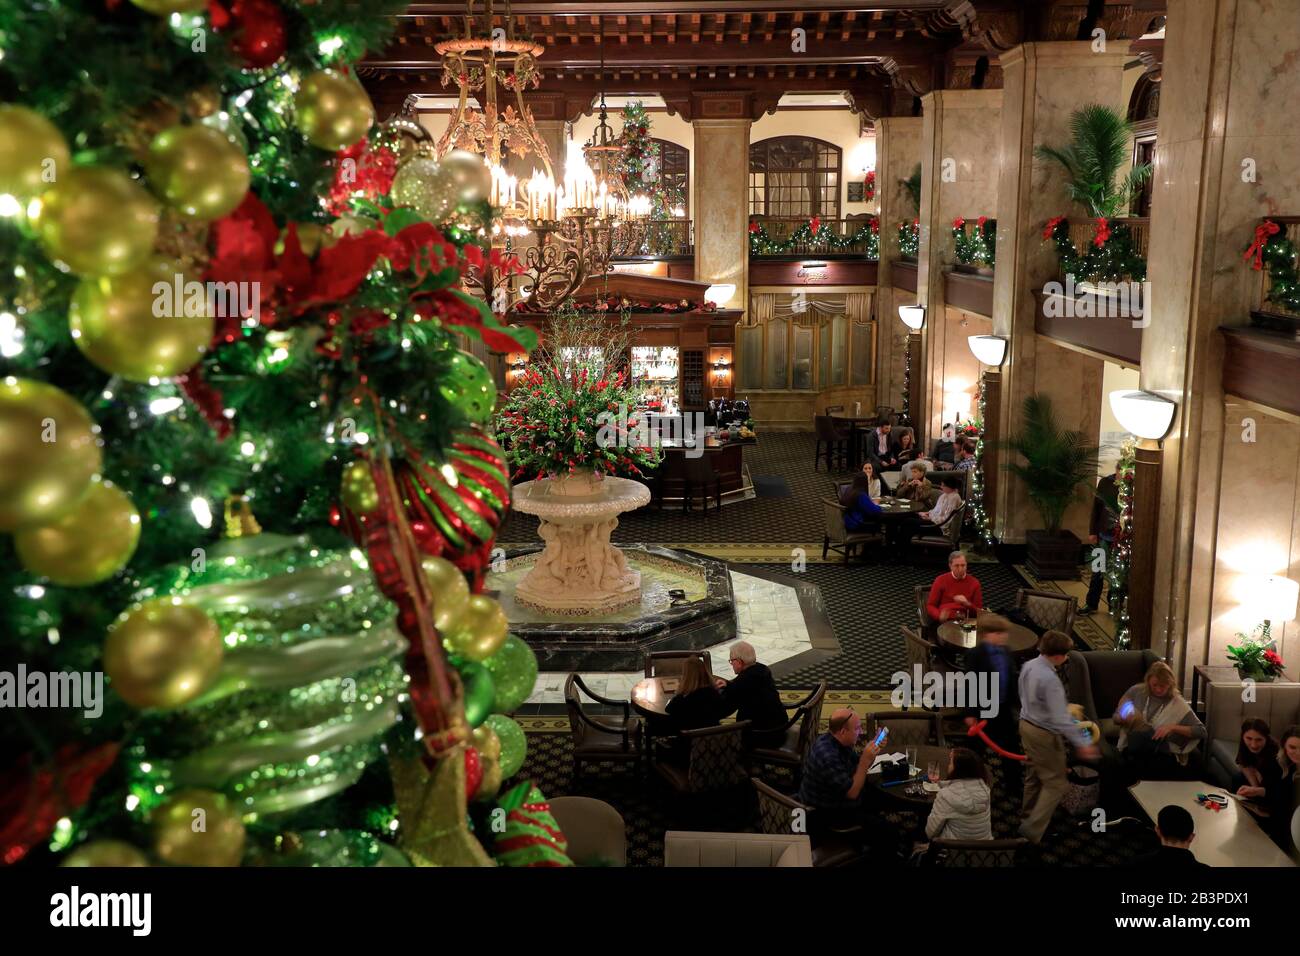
[955, 594]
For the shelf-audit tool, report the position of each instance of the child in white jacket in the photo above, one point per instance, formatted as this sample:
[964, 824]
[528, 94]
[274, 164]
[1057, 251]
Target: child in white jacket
[961, 809]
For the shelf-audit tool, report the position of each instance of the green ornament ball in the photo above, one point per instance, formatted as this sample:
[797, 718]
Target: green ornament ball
[466, 384]
[514, 674]
[479, 691]
[514, 744]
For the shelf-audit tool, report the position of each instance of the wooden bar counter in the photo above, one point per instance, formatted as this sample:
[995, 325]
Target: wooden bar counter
[727, 460]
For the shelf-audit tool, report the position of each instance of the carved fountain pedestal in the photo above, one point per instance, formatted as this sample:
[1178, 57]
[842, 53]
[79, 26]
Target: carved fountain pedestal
[579, 572]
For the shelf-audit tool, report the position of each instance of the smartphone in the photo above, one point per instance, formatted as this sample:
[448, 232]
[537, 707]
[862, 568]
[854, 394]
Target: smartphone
[1126, 709]
[881, 736]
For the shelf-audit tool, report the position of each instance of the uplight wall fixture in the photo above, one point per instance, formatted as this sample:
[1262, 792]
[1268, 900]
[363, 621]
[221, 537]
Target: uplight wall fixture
[913, 316]
[1145, 414]
[991, 350]
[720, 294]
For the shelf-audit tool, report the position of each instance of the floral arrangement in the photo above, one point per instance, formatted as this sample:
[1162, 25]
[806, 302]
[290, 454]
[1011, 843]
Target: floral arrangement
[869, 186]
[1256, 658]
[976, 246]
[572, 410]
[1112, 255]
[909, 238]
[1271, 247]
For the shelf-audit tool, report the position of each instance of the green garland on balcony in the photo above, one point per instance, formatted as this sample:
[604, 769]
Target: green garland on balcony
[1271, 247]
[909, 238]
[978, 247]
[1112, 255]
[810, 234]
[1120, 558]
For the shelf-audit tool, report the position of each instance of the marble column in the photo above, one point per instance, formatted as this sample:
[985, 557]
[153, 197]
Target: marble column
[1226, 153]
[1043, 84]
[960, 132]
[720, 205]
[898, 150]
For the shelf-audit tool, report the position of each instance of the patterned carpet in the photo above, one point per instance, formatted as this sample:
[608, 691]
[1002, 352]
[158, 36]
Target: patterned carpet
[866, 605]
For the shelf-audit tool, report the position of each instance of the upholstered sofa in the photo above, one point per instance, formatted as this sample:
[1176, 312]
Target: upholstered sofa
[1096, 680]
[689, 848]
[1225, 709]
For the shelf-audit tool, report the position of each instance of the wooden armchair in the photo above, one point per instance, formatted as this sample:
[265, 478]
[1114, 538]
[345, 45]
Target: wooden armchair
[597, 739]
[800, 732]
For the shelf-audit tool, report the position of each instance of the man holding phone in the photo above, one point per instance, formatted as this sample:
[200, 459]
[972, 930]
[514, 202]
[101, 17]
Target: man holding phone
[834, 777]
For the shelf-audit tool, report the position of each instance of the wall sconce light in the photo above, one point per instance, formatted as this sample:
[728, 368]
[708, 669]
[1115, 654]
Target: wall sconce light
[1145, 414]
[989, 349]
[720, 294]
[1275, 597]
[813, 264]
[913, 316]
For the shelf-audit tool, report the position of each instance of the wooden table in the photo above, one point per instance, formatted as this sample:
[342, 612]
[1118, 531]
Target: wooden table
[1020, 639]
[1227, 837]
[650, 696]
[912, 793]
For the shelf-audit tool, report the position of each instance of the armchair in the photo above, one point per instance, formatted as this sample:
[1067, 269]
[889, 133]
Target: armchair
[596, 739]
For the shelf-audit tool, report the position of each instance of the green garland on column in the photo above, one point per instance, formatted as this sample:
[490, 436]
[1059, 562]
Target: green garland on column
[980, 514]
[1121, 552]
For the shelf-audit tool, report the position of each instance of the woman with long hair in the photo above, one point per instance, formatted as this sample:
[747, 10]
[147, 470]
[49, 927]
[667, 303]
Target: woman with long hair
[1257, 758]
[962, 810]
[697, 703]
[1159, 732]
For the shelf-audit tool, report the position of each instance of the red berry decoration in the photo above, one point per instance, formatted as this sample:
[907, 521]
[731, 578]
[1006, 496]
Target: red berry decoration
[259, 37]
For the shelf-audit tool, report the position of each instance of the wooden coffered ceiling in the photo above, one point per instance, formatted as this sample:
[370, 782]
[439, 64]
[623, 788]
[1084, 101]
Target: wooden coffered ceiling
[881, 53]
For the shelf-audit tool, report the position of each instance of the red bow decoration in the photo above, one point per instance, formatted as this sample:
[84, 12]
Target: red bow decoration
[1263, 231]
[753, 227]
[1102, 235]
[958, 222]
[32, 800]
[1051, 226]
[814, 224]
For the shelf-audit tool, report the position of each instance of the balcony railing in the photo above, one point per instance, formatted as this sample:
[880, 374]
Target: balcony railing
[856, 237]
[1279, 284]
[1111, 250]
[653, 239]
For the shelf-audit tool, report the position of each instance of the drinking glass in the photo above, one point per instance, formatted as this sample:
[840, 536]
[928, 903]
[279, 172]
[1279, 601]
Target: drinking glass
[911, 757]
[932, 771]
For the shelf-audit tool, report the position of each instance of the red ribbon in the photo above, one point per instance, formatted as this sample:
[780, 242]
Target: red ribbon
[1263, 231]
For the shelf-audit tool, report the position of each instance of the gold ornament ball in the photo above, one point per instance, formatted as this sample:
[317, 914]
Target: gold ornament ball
[198, 828]
[86, 545]
[202, 101]
[162, 653]
[467, 177]
[48, 453]
[333, 110]
[420, 185]
[31, 151]
[124, 327]
[197, 171]
[105, 853]
[97, 220]
[480, 631]
[163, 8]
[488, 745]
[357, 488]
[450, 592]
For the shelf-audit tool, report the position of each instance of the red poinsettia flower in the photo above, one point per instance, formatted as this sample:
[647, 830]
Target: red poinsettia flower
[814, 224]
[982, 220]
[875, 227]
[34, 796]
[753, 226]
[1051, 226]
[1272, 658]
[958, 223]
[1102, 235]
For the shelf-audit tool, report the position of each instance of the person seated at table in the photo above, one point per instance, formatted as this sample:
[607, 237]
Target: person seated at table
[1176, 830]
[931, 522]
[962, 808]
[880, 447]
[1257, 762]
[965, 456]
[955, 593]
[876, 484]
[1160, 732]
[945, 449]
[753, 696]
[859, 508]
[697, 703]
[1282, 793]
[914, 486]
[834, 780]
[906, 450]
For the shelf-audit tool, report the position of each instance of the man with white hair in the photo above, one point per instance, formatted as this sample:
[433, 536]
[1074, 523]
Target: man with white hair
[753, 695]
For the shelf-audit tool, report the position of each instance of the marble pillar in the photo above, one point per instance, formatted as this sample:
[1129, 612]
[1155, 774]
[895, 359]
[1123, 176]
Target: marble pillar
[1043, 84]
[1226, 154]
[898, 150]
[960, 131]
[720, 205]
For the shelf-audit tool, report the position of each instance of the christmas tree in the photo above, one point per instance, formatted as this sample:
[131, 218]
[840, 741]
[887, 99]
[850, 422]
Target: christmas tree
[642, 169]
[245, 470]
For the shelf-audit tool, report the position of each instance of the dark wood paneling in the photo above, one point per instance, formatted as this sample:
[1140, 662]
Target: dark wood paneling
[903, 275]
[799, 272]
[1262, 367]
[1116, 337]
[970, 292]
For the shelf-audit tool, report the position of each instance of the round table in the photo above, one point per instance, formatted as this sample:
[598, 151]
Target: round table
[895, 508]
[912, 792]
[650, 697]
[1020, 639]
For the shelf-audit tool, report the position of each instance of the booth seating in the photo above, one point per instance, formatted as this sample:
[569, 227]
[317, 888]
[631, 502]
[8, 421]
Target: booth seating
[1279, 704]
[694, 849]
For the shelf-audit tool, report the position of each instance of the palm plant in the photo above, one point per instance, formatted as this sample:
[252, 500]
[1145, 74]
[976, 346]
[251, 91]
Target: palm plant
[1057, 462]
[913, 186]
[1093, 161]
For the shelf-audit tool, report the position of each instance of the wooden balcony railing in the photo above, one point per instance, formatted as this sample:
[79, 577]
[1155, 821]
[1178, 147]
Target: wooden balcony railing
[1270, 302]
[849, 237]
[653, 239]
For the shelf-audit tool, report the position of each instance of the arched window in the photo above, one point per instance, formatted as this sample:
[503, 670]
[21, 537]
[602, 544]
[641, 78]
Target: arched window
[675, 174]
[794, 177]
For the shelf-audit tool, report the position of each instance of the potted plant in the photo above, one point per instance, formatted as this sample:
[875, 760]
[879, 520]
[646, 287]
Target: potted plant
[1057, 466]
[1256, 660]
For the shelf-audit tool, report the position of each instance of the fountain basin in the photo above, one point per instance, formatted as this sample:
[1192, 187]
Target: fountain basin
[618, 638]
